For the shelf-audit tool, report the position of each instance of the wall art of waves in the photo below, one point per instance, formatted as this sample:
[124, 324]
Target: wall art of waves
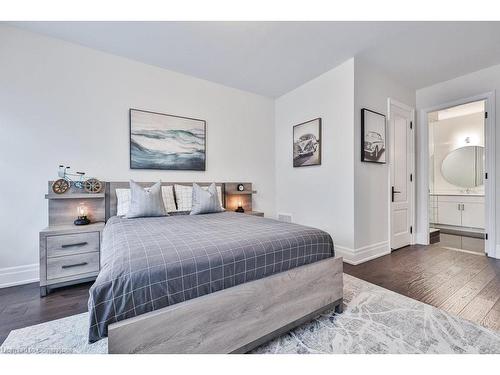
[167, 149]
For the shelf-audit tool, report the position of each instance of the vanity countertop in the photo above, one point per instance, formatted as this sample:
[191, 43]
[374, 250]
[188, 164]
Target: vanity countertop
[458, 194]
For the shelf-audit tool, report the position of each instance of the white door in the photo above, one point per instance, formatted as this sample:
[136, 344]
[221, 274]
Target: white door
[401, 169]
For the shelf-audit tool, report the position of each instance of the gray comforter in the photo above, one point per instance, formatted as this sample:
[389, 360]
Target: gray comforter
[151, 263]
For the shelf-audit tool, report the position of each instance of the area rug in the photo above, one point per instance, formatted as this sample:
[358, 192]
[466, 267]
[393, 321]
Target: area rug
[375, 320]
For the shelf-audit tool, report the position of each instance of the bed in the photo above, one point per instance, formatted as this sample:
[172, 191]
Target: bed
[214, 283]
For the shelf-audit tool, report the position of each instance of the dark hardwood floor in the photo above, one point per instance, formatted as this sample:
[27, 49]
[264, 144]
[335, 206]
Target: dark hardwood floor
[464, 284]
[21, 306]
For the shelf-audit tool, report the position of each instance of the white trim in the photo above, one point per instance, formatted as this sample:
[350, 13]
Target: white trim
[362, 254]
[490, 193]
[421, 238]
[12, 276]
[406, 107]
[490, 186]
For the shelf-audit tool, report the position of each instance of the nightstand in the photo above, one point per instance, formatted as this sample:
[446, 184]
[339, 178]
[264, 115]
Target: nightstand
[69, 254]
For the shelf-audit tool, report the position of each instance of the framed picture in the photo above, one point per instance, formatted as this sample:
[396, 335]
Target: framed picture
[307, 143]
[161, 141]
[373, 137]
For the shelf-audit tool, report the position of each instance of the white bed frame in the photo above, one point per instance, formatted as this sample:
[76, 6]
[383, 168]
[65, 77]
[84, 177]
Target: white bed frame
[234, 320]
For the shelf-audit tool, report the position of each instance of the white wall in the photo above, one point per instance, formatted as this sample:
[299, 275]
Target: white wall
[320, 196]
[343, 196]
[372, 88]
[480, 82]
[65, 104]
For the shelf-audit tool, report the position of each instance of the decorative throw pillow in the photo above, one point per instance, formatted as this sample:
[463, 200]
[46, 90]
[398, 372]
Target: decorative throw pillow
[123, 200]
[205, 201]
[184, 196]
[167, 192]
[145, 202]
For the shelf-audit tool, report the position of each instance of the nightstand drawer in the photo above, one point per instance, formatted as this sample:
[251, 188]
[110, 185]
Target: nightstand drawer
[71, 244]
[72, 265]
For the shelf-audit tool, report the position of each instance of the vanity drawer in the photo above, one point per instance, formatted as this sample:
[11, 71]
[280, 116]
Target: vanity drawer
[71, 244]
[72, 265]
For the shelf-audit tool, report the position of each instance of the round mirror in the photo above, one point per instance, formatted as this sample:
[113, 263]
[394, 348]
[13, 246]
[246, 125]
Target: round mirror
[464, 166]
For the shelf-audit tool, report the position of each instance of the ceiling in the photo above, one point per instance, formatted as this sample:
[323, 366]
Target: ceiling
[272, 58]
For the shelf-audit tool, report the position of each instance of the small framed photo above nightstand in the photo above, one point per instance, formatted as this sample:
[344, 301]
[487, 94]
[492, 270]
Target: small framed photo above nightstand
[373, 137]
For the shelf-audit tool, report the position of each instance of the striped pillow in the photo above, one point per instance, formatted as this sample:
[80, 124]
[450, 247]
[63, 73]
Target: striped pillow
[205, 201]
[123, 200]
[145, 202]
[184, 196]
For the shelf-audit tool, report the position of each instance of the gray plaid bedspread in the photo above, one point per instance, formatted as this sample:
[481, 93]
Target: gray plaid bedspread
[151, 263]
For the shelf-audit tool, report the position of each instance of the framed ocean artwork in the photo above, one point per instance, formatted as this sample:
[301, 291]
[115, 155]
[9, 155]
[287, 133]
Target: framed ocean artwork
[161, 141]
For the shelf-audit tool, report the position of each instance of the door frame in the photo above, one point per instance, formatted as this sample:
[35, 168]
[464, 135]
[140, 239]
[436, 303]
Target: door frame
[489, 188]
[411, 190]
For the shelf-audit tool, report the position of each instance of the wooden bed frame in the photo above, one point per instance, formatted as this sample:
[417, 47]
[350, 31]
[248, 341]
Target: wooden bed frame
[233, 320]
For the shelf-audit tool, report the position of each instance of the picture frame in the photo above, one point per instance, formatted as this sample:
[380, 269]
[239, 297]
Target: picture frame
[306, 139]
[166, 142]
[373, 137]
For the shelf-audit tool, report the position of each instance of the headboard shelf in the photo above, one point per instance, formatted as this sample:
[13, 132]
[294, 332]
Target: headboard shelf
[75, 196]
[241, 192]
[63, 207]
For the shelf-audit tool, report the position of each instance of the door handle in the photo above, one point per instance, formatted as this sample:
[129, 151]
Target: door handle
[393, 192]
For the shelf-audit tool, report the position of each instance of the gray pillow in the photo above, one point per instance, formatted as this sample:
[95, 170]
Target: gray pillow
[205, 201]
[145, 202]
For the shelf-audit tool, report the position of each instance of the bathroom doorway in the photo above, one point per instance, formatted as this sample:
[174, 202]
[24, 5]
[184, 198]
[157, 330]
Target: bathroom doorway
[457, 208]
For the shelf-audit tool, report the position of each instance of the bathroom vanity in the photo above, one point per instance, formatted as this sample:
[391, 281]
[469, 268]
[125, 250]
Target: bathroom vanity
[465, 210]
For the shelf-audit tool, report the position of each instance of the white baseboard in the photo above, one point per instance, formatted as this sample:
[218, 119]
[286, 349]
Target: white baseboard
[12, 276]
[363, 254]
[497, 252]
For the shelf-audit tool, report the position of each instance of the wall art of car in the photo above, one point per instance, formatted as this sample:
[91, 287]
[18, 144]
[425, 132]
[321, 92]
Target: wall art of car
[307, 144]
[374, 145]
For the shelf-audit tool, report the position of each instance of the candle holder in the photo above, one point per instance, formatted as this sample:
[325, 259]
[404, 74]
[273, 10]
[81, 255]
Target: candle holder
[82, 215]
[240, 207]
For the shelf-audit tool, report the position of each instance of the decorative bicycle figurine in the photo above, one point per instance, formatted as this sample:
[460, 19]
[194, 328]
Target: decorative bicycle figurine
[78, 179]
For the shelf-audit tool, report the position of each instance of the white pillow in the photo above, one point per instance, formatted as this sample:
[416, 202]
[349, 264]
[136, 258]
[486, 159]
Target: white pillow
[167, 192]
[184, 196]
[123, 200]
